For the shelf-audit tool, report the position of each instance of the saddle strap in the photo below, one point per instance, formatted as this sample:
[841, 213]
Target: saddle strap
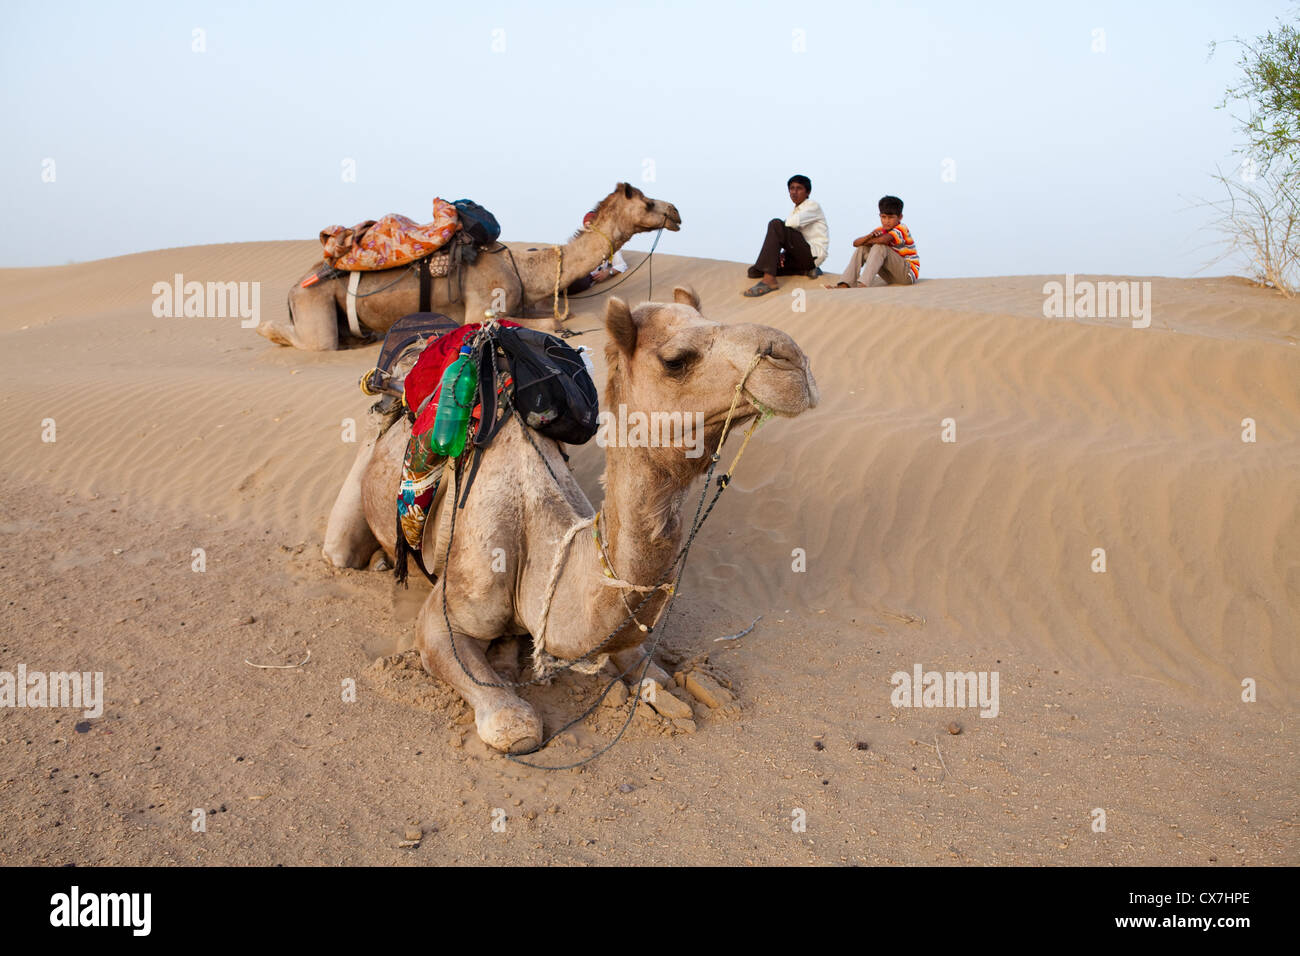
[426, 284]
[354, 280]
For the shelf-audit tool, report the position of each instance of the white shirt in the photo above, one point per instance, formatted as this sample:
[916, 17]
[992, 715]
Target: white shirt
[615, 265]
[809, 219]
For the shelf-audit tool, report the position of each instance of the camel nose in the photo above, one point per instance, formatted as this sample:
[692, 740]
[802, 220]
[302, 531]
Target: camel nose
[782, 352]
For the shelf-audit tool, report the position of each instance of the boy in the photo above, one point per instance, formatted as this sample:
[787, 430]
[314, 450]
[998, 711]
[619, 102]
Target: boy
[889, 251]
[795, 246]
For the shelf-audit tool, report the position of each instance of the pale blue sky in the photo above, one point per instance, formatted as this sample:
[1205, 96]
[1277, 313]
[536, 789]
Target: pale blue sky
[1066, 159]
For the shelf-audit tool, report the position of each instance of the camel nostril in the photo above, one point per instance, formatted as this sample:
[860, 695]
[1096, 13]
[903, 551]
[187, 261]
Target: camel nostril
[785, 354]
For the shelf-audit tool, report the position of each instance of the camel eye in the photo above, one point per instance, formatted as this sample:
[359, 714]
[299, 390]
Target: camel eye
[649, 206]
[676, 364]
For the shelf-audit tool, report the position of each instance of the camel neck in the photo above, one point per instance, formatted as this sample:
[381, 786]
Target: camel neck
[641, 527]
[585, 251]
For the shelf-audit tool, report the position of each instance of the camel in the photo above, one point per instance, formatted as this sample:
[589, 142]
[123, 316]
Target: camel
[316, 313]
[664, 357]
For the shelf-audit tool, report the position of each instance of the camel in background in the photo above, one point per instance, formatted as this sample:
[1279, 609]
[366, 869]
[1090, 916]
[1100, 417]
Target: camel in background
[316, 313]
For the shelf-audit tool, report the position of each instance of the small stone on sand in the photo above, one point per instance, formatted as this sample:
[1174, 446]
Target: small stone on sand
[413, 833]
[668, 705]
[954, 728]
[617, 695]
[707, 691]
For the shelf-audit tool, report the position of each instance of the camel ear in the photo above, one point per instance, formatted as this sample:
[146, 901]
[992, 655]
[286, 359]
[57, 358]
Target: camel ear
[619, 324]
[627, 190]
[685, 295]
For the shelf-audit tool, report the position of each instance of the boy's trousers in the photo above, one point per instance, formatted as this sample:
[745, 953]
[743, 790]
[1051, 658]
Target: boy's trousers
[880, 260]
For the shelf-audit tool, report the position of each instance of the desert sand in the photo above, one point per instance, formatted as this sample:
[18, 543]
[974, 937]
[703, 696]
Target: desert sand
[1120, 690]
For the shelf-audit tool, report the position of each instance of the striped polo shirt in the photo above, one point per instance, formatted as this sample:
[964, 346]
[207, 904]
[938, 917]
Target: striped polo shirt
[901, 241]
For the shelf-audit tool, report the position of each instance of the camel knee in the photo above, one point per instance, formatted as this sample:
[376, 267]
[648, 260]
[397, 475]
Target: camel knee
[511, 726]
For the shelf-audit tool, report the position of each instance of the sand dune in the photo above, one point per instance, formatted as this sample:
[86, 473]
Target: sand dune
[1071, 435]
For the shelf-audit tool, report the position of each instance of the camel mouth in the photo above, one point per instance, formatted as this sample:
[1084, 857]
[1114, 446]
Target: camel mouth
[742, 416]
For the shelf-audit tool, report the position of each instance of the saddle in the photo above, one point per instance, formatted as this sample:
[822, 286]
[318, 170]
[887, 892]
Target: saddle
[438, 340]
[390, 242]
[521, 372]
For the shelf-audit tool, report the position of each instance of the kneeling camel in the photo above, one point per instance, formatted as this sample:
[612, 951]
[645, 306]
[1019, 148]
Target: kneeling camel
[662, 358]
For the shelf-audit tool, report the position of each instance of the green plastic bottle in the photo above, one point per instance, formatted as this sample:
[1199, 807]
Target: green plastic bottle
[459, 387]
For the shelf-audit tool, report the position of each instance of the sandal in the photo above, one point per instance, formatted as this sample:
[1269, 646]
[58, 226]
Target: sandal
[757, 289]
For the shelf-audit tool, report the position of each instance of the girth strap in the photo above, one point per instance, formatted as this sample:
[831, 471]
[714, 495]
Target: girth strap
[426, 284]
[354, 280]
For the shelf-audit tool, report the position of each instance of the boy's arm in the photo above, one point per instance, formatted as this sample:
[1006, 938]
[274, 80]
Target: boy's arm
[874, 238]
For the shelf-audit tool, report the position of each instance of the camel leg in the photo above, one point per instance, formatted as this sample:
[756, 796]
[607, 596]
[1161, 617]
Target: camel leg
[313, 321]
[504, 720]
[632, 660]
[503, 656]
[349, 542]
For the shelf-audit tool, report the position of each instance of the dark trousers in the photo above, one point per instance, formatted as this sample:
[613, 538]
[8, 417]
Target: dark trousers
[781, 238]
[580, 285]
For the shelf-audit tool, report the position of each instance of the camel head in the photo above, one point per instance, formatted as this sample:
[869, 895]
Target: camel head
[630, 211]
[672, 368]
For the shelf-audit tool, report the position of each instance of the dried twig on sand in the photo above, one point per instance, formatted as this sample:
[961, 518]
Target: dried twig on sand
[280, 666]
[940, 753]
[732, 637]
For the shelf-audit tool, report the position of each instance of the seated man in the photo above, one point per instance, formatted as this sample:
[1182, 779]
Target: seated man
[889, 251]
[796, 246]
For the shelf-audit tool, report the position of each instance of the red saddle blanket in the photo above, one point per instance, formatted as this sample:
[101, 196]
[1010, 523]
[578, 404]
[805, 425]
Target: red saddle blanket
[421, 386]
[389, 242]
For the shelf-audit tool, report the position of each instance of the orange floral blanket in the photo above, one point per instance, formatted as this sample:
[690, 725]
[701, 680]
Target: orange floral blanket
[389, 242]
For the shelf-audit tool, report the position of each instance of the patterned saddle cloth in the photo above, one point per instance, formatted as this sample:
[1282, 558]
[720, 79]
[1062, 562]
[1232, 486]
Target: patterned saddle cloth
[422, 468]
[389, 242]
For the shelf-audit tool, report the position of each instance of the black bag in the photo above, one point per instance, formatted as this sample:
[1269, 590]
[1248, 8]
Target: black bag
[477, 223]
[552, 389]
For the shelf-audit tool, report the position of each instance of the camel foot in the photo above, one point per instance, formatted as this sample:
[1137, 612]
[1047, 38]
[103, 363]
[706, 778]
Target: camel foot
[512, 727]
[276, 335]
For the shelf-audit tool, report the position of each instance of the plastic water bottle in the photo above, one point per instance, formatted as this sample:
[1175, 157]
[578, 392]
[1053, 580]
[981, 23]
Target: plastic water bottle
[459, 387]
